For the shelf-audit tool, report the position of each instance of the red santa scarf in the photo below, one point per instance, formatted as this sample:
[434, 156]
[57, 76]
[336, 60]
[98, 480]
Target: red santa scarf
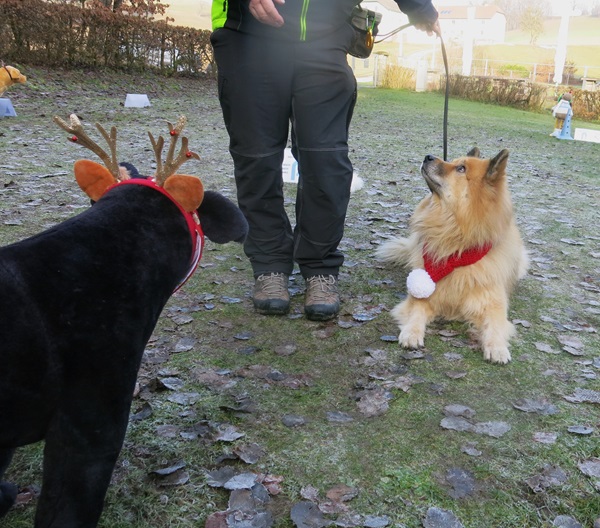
[421, 282]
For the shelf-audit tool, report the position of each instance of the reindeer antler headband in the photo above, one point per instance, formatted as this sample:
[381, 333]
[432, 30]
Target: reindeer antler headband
[171, 165]
[163, 171]
[95, 179]
[79, 136]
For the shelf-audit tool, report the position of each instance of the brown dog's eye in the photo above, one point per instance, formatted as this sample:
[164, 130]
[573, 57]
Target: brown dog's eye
[461, 168]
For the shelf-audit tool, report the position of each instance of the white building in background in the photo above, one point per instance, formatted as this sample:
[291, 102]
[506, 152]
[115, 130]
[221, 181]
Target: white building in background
[489, 24]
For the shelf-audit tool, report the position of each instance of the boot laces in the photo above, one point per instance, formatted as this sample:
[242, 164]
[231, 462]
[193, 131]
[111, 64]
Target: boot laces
[321, 288]
[272, 284]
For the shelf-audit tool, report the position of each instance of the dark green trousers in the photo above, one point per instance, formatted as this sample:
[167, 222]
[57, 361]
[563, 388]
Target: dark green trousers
[266, 88]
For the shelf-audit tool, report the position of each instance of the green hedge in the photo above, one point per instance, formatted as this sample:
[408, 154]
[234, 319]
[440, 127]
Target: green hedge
[520, 93]
[66, 35]
[505, 92]
[586, 105]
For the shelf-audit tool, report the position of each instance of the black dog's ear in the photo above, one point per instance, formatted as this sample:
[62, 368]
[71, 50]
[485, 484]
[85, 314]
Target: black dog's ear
[474, 153]
[221, 220]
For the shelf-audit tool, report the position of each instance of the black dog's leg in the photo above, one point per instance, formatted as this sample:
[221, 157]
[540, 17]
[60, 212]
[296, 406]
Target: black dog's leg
[79, 458]
[8, 492]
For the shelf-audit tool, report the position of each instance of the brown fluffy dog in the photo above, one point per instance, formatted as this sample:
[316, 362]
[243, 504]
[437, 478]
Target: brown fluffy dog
[465, 237]
[9, 76]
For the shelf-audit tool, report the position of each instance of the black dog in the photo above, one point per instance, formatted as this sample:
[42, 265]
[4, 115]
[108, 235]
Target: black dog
[78, 305]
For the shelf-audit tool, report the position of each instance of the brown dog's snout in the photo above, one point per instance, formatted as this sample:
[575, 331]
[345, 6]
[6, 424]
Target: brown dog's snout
[430, 170]
[429, 160]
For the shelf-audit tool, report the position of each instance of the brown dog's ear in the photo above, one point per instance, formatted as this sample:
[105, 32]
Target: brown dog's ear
[474, 153]
[187, 190]
[497, 167]
[93, 179]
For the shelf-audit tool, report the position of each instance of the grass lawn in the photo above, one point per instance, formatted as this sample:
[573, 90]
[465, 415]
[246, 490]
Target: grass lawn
[339, 406]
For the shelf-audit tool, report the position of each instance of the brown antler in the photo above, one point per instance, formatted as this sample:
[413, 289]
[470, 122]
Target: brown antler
[171, 165]
[79, 136]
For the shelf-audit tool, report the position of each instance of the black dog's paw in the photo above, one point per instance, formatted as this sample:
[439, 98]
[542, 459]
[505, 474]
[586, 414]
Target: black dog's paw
[8, 495]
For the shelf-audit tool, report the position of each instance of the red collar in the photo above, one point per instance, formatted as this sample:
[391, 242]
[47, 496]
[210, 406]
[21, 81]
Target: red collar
[191, 217]
[438, 270]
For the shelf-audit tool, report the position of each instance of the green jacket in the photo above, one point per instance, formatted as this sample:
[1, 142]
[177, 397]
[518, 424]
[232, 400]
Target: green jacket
[306, 19]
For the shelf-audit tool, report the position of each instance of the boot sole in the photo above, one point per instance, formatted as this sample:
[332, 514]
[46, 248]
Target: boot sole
[324, 314]
[272, 309]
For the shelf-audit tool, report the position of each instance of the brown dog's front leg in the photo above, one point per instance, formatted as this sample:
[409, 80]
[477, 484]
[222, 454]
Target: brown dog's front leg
[495, 332]
[412, 317]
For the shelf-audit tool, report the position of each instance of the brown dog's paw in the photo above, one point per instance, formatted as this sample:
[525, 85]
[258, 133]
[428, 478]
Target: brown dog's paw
[497, 354]
[411, 338]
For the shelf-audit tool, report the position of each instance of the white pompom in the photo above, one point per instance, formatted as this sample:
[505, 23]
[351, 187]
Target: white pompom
[420, 284]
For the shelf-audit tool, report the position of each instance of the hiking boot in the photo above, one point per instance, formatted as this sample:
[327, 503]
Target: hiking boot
[270, 295]
[322, 298]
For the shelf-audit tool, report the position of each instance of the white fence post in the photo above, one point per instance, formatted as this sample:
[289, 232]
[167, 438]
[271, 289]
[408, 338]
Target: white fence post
[421, 84]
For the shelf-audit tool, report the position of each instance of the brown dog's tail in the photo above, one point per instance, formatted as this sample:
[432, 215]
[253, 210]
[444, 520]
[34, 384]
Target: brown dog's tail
[396, 251]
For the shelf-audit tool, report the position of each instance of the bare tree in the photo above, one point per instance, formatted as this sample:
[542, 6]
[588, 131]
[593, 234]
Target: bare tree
[514, 10]
[112, 4]
[532, 22]
[146, 8]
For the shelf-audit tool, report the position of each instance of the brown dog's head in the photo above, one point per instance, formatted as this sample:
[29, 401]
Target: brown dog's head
[464, 176]
[469, 193]
[9, 75]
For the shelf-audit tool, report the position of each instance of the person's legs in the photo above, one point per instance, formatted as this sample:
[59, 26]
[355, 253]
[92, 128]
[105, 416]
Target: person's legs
[322, 106]
[255, 96]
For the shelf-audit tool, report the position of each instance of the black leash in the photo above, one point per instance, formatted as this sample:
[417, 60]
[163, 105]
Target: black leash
[446, 97]
[447, 90]
[393, 32]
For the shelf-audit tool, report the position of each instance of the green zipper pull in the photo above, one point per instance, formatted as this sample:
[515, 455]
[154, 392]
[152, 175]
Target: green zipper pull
[303, 19]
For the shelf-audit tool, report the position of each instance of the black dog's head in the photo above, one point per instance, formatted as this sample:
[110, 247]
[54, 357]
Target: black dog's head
[221, 220]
